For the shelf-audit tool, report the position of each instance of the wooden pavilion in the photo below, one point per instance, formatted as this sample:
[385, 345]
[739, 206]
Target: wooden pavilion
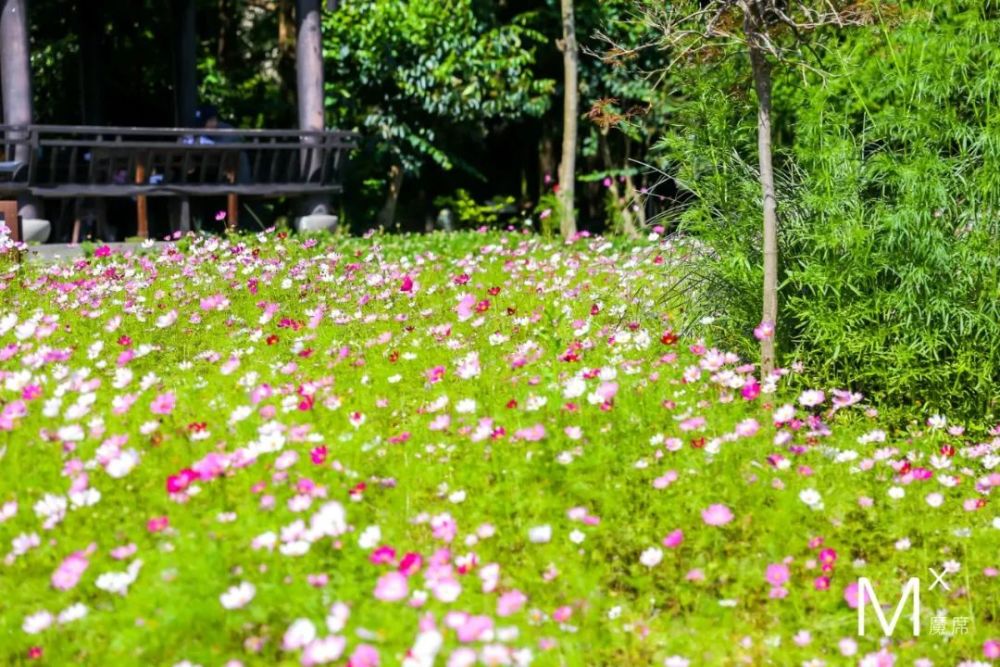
[20, 147]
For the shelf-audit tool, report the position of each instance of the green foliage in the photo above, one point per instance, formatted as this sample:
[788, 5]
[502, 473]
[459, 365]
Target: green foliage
[888, 201]
[418, 83]
[471, 214]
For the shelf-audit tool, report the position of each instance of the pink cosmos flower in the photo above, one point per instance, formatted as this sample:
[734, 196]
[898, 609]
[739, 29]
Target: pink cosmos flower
[510, 602]
[777, 574]
[68, 574]
[750, 390]
[391, 587]
[665, 480]
[764, 330]
[747, 428]
[562, 614]
[163, 404]
[716, 515]
[991, 649]
[157, 524]
[674, 539]
[852, 596]
[364, 656]
[474, 628]
[406, 285]
[466, 307]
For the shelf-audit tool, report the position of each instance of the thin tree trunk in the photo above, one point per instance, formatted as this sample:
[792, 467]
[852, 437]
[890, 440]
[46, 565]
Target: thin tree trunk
[762, 83]
[571, 102]
[387, 216]
[309, 77]
[15, 73]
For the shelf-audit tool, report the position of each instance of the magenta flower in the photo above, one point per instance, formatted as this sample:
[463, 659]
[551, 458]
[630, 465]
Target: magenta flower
[674, 539]
[406, 285]
[716, 515]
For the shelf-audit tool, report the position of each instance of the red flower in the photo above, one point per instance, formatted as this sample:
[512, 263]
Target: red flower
[124, 341]
[406, 285]
[595, 309]
[272, 339]
[483, 306]
[35, 652]
[668, 338]
[494, 290]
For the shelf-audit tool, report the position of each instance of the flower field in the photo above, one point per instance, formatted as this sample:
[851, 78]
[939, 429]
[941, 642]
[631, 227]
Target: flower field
[452, 450]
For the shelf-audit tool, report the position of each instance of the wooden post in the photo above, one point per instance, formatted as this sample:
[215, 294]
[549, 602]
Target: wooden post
[141, 205]
[15, 78]
[8, 209]
[309, 77]
[232, 212]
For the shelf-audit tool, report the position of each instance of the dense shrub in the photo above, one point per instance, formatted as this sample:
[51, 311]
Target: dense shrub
[888, 200]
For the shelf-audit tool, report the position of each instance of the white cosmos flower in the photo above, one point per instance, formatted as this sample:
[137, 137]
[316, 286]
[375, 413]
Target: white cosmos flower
[812, 498]
[72, 613]
[540, 534]
[651, 557]
[370, 537]
[299, 633]
[37, 622]
[238, 596]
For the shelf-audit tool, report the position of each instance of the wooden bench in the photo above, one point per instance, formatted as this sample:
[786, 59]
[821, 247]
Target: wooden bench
[96, 163]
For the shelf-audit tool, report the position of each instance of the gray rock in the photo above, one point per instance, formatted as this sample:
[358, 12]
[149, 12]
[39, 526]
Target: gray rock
[316, 223]
[35, 230]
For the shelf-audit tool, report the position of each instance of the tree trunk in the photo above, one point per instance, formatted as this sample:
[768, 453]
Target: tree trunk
[762, 83]
[571, 94]
[387, 216]
[309, 77]
[15, 72]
